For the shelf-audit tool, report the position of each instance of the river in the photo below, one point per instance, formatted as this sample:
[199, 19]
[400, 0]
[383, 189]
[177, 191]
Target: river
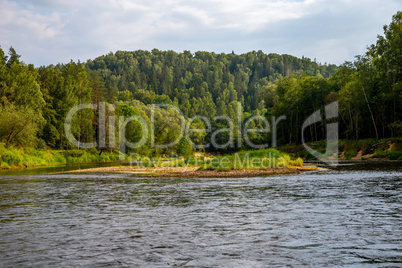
[349, 216]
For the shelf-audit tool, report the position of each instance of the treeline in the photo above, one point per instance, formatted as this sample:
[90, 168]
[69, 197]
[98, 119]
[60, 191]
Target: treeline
[34, 102]
[203, 83]
[369, 91]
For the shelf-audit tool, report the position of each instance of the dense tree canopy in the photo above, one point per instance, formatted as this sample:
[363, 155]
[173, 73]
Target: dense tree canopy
[369, 91]
[34, 102]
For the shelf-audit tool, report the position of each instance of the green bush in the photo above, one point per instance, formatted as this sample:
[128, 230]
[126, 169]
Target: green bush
[4, 165]
[28, 157]
[298, 162]
[379, 153]
[395, 155]
[350, 152]
[365, 145]
[12, 158]
[252, 159]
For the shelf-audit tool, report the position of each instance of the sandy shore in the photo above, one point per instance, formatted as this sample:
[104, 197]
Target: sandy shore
[190, 172]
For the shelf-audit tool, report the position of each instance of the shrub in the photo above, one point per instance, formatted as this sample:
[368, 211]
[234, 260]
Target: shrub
[4, 165]
[298, 162]
[28, 156]
[379, 153]
[395, 155]
[350, 152]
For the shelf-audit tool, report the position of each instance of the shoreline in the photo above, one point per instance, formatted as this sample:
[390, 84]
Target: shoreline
[308, 161]
[193, 172]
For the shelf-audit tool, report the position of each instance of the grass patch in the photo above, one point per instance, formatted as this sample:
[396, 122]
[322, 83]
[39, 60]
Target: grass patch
[253, 159]
[12, 157]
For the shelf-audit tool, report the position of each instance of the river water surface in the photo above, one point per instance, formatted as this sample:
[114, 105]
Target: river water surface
[347, 217]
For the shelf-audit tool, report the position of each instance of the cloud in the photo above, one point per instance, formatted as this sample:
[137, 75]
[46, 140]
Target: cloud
[17, 22]
[46, 31]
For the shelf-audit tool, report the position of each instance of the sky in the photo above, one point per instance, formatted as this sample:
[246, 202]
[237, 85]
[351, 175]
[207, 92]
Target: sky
[56, 31]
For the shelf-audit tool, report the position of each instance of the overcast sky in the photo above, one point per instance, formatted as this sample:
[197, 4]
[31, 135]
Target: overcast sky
[50, 31]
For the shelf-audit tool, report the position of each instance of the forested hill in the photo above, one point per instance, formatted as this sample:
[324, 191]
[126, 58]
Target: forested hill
[34, 102]
[196, 79]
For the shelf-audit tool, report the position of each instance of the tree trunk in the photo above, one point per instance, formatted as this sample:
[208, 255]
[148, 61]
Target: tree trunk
[372, 117]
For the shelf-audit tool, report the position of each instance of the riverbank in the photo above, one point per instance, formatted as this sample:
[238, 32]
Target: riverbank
[17, 158]
[367, 149]
[191, 172]
[388, 149]
[251, 163]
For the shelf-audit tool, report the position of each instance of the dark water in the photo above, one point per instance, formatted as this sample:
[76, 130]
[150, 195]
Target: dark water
[347, 217]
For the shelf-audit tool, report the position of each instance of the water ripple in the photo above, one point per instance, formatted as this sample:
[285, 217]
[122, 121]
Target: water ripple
[336, 219]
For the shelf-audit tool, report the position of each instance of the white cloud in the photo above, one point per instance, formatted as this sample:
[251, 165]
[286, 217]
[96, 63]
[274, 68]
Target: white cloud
[251, 15]
[46, 31]
[17, 22]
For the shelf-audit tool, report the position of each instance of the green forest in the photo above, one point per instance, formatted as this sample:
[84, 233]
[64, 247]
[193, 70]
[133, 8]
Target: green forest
[34, 101]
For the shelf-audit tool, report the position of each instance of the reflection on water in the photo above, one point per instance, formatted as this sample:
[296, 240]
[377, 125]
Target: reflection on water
[345, 217]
